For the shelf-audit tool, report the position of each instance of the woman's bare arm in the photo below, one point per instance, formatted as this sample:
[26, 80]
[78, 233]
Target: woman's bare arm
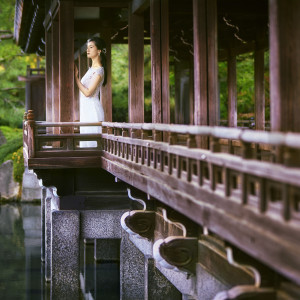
[91, 89]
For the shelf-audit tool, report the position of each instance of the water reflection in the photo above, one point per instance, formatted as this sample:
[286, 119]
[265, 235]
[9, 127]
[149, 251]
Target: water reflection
[22, 273]
[20, 242]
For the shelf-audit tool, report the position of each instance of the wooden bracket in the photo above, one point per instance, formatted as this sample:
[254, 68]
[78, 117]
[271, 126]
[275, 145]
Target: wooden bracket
[177, 253]
[139, 222]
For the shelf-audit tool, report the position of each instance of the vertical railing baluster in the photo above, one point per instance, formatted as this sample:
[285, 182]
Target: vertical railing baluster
[262, 195]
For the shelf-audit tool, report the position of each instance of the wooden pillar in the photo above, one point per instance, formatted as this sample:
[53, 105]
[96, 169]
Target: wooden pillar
[48, 75]
[259, 82]
[285, 65]
[212, 65]
[106, 91]
[55, 73]
[66, 60]
[159, 30]
[232, 90]
[165, 61]
[136, 67]
[200, 63]
[205, 62]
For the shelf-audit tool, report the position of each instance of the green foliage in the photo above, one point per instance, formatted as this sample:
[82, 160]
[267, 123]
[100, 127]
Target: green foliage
[18, 163]
[14, 142]
[13, 63]
[120, 83]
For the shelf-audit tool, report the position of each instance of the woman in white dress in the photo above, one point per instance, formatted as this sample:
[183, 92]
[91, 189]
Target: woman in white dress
[91, 108]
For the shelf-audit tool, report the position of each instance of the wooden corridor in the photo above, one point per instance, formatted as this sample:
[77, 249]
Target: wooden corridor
[239, 175]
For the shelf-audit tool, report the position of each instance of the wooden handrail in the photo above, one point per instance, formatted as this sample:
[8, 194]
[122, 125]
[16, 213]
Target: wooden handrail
[291, 140]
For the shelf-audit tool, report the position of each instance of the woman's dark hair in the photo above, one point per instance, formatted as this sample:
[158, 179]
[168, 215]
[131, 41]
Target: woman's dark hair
[100, 44]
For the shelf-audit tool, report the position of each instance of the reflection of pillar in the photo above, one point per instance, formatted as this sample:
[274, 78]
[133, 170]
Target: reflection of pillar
[65, 255]
[132, 277]
[158, 286]
[88, 267]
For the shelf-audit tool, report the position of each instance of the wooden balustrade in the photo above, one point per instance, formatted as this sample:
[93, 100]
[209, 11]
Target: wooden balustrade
[253, 204]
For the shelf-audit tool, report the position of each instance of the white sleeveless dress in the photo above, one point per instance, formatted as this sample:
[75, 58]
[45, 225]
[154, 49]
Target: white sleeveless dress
[91, 109]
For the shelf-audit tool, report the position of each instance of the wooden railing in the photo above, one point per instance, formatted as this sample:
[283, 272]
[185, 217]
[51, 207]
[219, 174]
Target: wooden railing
[243, 185]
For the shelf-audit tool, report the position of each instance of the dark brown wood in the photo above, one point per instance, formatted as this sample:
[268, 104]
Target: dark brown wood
[55, 73]
[212, 62]
[48, 75]
[209, 210]
[156, 76]
[232, 90]
[200, 63]
[106, 91]
[136, 67]
[284, 65]
[165, 88]
[66, 60]
[259, 82]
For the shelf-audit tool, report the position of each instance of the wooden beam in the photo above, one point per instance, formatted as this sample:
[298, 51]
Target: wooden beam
[284, 65]
[139, 6]
[66, 62]
[136, 67]
[259, 83]
[156, 87]
[232, 90]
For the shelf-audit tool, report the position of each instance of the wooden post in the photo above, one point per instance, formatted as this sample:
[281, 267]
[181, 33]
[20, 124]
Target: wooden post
[165, 62]
[155, 61]
[48, 75]
[136, 67]
[232, 90]
[159, 28]
[284, 65]
[55, 74]
[212, 62]
[200, 63]
[259, 82]
[106, 91]
[66, 60]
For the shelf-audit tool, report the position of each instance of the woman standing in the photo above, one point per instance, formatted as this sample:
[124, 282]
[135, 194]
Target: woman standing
[91, 108]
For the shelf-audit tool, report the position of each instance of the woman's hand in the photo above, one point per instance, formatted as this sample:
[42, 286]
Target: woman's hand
[76, 72]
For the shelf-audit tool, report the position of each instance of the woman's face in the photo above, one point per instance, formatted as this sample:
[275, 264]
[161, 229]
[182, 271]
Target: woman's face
[92, 50]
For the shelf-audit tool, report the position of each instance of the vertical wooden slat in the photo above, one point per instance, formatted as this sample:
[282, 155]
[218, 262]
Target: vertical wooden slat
[232, 90]
[136, 67]
[284, 64]
[48, 50]
[106, 91]
[156, 88]
[66, 60]
[259, 82]
[212, 58]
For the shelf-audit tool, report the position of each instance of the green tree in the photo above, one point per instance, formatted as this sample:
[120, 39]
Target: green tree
[13, 63]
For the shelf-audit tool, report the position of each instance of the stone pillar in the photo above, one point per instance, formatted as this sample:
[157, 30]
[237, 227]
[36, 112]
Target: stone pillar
[158, 286]
[43, 205]
[132, 270]
[48, 238]
[65, 254]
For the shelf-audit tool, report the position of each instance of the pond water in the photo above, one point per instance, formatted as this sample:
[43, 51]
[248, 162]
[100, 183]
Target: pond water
[21, 269]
